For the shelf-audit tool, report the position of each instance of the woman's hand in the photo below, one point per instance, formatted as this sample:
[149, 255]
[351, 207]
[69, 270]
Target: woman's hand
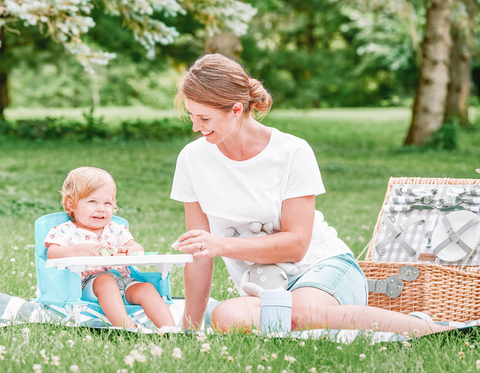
[200, 243]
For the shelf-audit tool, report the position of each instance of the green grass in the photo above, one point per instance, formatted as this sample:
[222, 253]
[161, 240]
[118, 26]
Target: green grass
[358, 150]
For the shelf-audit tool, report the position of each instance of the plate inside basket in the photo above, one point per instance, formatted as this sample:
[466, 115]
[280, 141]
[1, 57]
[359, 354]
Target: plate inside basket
[452, 252]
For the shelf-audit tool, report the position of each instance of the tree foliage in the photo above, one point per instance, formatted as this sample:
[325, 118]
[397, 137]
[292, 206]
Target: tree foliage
[66, 21]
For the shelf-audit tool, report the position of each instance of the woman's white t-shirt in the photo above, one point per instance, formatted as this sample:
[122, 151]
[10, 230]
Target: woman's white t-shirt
[237, 193]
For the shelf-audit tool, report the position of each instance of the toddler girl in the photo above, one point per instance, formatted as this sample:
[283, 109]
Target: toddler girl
[89, 199]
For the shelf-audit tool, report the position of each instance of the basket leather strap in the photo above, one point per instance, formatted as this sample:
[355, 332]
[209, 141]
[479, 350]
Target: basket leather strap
[454, 236]
[474, 191]
[396, 235]
[391, 286]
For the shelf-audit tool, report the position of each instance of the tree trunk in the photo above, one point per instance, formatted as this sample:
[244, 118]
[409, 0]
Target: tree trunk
[4, 100]
[431, 92]
[226, 44]
[459, 87]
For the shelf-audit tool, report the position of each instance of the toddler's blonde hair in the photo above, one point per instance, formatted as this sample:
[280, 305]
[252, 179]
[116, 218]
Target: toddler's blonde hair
[82, 182]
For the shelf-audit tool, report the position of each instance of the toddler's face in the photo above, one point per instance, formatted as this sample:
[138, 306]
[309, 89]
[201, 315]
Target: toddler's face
[95, 211]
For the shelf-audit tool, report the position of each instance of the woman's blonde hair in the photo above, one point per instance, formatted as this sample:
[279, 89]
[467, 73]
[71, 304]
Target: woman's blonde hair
[218, 81]
[83, 181]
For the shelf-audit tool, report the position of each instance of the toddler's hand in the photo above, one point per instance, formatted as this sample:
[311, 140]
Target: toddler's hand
[130, 247]
[93, 249]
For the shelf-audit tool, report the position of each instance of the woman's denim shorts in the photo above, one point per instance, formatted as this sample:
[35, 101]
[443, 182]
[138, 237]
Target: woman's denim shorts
[339, 276]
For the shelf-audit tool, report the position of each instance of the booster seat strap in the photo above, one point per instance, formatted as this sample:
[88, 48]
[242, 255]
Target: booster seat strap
[454, 236]
[396, 232]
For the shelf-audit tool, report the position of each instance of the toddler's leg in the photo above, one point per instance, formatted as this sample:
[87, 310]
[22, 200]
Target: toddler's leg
[152, 303]
[106, 290]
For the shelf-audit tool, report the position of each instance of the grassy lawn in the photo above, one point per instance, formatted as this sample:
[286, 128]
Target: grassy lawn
[358, 150]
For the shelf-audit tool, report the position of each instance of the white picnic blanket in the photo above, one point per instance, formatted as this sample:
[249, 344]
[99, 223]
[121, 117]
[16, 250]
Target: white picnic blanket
[16, 310]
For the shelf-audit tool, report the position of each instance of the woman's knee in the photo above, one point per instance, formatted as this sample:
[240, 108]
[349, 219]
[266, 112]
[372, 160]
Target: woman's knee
[237, 313]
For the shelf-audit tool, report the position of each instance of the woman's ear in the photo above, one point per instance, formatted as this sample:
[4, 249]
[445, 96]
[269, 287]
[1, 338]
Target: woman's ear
[237, 109]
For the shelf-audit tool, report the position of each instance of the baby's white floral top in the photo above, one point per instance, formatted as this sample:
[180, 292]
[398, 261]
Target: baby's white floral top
[69, 234]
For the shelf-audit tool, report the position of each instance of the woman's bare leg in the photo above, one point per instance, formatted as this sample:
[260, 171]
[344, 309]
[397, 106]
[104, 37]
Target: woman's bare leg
[315, 309]
[106, 290]
[237, 313]
[152, 303]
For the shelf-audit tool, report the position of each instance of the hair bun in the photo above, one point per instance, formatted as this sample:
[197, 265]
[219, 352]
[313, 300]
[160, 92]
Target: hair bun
[261, 98]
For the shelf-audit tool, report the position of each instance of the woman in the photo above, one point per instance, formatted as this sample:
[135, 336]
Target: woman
[241, 171]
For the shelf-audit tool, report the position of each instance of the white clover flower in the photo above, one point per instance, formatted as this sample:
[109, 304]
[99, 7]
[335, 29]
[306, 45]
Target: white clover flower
[478, 364]
[156, 351]
[313, 370]
[3, 351]
[87, 339]
[339, 347]
[406, 344]
[73, 368]
[56, 360]
[230, 290]
[12, 260]
[205, 348]
[290, 359]
[302, 344]
[15, 248]
[129, 360]
[383, 349]
[13, 272]
[248, 368]
[362, 356]
[177, 353]
[375, 327]
[405, 334]
[37, 368]
[26, 331]
[224, 350]
[264, 358]
[230, 359]
[415, 331]
[30, 275]
[273, 356]
[461, 355]
[260, 367]
[201, 337]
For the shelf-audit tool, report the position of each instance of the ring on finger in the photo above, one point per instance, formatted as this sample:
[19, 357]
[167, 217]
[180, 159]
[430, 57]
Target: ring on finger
[201, 246]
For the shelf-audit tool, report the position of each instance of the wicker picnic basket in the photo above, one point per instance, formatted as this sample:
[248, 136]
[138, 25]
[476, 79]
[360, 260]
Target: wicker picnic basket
[446, 292]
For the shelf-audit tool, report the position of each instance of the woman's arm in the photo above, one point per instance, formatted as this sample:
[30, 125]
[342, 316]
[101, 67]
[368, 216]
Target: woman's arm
[289, 245]
[55, 251]
[197, 275]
